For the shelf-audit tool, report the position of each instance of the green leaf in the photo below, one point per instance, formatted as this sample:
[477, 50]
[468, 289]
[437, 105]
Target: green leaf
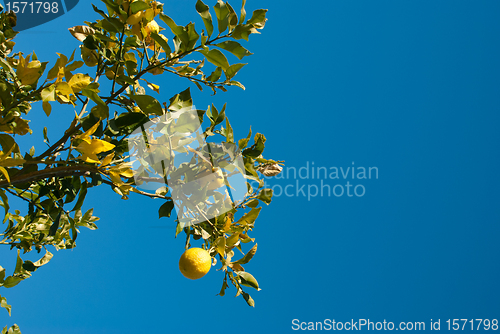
[2, 274]
[100, 12]
[256, 149]
[129, 121]
[138, 6]
[192, 36]
[212, 113]
[242, 143]
[265, 195]
[248, 256]
[44, 260]
[248, 280]
[235, 48]
[253, 203]
[178, 229]
[87, 216]
[221, 116]
[216, 57]
[222, 13]
[243, 11]
[229, 132]
[55, 225]
[249, 217]
[8, 144]
[215, 75]
[91, 42]
[148, 104]
[178, 31]
[11, 281]
[181, 101]
[100, 111]
[242, 31]
[3, 303]
[164, 45]
[166, 209]
[223, 289]
[248, 299]
[204, 12]
[110, 4]
[237, 84]
[110, 26]
[92, 94]
[5, 204]
[29, 266]
[12, 330]
[131, 41]
[81, 197]
[232, 20]
[5, 64]
[258, 19]
[232, 70]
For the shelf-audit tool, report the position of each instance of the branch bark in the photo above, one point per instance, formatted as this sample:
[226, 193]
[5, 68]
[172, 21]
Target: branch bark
[61, 171]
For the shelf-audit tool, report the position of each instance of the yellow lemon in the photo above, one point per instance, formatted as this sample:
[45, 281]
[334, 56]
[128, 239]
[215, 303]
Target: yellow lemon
[135, 18]
[216, 180]
[195, 263]
[152, 26]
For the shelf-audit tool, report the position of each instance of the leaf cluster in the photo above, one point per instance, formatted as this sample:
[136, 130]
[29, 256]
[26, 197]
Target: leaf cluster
[109, 85]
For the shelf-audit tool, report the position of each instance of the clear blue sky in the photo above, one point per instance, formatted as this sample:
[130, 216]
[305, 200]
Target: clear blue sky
[411, 88]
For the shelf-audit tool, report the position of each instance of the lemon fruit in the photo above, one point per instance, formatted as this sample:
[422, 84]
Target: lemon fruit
[152, 26]
[195, 263]
[216, 179]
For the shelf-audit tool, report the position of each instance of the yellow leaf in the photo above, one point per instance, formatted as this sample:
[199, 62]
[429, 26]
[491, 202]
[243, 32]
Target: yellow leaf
[9, 162]
[115, 177]
[5, 173]
[62, 88]
[123, 169]
[86, 135]
[28, 73]
[149, 14]
[135, 18]
[54, 72]
[126, 189]
[153, 86]
[107, 160]
[90, 150]
[61, 74]
[46, 107]
[89, 57]
[221, 245]
[19, 127]
[48, 94]
[233, 239]
[127, 172]
[110, 74]
[79, 81]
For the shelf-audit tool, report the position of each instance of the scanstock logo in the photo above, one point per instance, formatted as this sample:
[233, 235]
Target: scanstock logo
[32, 13]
